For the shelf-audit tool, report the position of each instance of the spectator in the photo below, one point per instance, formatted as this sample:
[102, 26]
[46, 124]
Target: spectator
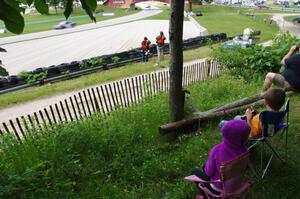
[235, 136]
[160, 41]
[145, 49]
[290, 79]
[274, 100]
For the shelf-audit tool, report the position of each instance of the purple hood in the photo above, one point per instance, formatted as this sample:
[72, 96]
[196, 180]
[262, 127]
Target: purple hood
[235, 135]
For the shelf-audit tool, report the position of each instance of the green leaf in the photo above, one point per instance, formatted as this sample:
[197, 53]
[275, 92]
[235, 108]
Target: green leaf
[29, 2]
[68, 9]
[22, 1]
[14, 4]
[92, 4]
[87, 9]
[12, 18]
[3, 71]
[41, 6]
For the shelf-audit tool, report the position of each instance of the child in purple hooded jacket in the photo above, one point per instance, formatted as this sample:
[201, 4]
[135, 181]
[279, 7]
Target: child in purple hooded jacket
[235, 136]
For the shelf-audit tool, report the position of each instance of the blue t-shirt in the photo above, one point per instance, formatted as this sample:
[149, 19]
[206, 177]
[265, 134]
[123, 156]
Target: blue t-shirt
[292, 71]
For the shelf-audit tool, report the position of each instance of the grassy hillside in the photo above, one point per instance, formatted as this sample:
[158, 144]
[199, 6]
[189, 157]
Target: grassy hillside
[123, 156]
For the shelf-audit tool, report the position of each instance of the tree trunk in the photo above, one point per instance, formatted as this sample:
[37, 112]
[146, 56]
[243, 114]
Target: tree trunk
[176, 95]
[190, 6]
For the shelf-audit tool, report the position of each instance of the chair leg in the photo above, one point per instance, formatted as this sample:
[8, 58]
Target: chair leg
[262, 157]
[286, 142]
[273, 150]
[267, 167]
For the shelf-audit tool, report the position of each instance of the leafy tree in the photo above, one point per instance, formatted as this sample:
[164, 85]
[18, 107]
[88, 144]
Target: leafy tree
[10, 11]
[54, 3]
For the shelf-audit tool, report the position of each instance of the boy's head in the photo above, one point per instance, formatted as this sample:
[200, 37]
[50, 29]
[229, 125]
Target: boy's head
[275, 98]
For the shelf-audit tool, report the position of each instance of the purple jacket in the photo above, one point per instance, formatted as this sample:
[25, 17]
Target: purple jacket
[235, 135]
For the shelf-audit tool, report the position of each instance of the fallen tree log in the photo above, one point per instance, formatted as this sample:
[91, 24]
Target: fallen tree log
[234, 104]
[192, 124]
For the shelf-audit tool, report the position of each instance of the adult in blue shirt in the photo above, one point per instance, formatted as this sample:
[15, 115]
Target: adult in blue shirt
[290, 78]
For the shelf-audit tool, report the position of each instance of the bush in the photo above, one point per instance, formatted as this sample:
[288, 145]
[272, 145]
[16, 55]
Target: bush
[115, 59]
[3, 71]
[256, 60]
[32, 77]
[91, 63]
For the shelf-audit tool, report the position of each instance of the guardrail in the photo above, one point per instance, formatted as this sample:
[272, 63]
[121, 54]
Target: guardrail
[104, 99]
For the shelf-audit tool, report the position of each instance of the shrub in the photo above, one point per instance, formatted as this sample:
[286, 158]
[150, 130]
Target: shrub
[32, 77]
[91, 63]
[115, 59]
[96, 62]
[256, 60]
[3, 71]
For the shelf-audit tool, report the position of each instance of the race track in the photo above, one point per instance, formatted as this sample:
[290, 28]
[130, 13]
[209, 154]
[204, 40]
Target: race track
[28, 55]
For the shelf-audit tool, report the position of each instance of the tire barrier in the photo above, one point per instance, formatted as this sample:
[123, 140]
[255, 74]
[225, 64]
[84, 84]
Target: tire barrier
[104, 62]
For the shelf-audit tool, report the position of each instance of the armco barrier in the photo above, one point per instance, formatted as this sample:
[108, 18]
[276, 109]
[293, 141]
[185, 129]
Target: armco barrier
[73, 69]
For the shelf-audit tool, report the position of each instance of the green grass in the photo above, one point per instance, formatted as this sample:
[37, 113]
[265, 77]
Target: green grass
[123, 156]
[30, 28]
[164, 15]
[219, 19]
[131, 69]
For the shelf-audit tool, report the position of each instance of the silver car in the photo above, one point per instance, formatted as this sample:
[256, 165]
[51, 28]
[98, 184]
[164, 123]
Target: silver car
[64, 24]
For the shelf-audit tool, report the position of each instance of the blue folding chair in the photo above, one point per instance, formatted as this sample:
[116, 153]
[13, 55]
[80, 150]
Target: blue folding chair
[274, 124]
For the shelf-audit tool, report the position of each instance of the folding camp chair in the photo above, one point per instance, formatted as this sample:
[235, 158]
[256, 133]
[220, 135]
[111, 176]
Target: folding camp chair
[273, 124]
[232, 178]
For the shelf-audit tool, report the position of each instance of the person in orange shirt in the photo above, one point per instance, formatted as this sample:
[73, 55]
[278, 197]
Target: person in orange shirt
[274, 100]
[145, 49]
[160, 42]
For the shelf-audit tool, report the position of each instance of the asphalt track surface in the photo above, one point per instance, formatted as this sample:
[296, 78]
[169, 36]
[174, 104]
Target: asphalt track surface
[31, 51]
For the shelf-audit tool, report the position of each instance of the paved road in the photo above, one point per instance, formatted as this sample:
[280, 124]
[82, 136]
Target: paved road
[27, 52]
[286, 25]
[48, 51]
[38, 35]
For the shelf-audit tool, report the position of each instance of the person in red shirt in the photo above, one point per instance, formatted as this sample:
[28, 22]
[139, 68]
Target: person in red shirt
[145, 49]
[160, 41]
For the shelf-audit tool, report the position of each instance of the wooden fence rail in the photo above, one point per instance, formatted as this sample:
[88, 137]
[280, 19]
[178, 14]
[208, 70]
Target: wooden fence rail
[105, 98]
